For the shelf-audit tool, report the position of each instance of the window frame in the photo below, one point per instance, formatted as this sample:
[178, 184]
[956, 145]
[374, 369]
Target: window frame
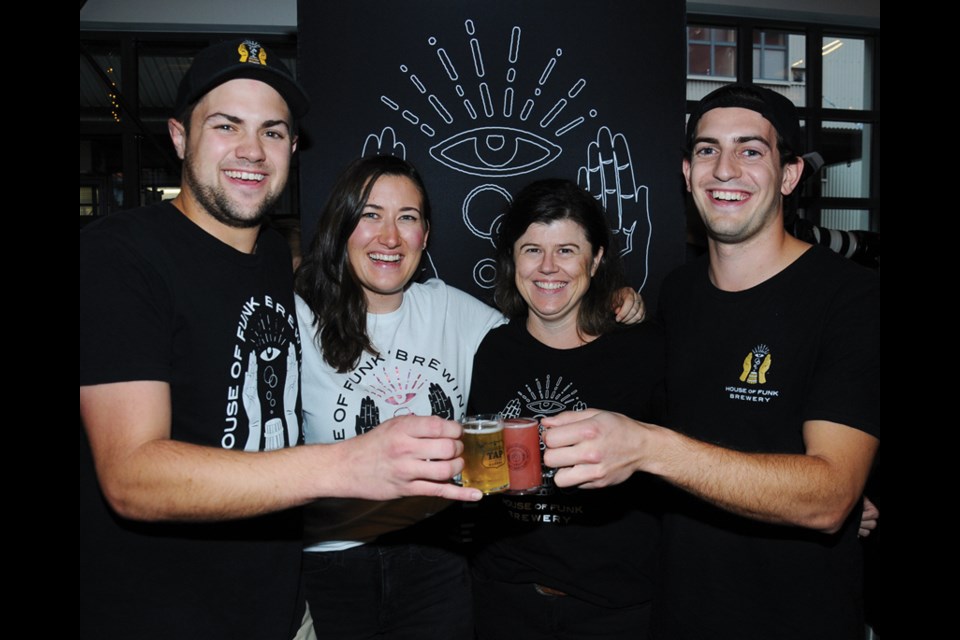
[813, 114]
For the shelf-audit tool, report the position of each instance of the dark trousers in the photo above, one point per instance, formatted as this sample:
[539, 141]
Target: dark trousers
[505, 611]
[389, 591]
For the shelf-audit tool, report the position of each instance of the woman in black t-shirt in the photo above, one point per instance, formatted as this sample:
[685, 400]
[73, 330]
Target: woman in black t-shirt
[564, 563]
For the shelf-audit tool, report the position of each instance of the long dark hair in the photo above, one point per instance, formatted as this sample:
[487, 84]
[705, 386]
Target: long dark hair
[547, 201]
[326, 281]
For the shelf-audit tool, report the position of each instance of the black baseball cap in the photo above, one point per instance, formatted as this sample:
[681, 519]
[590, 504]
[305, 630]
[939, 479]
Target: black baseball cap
[239, 59]
[773, 106]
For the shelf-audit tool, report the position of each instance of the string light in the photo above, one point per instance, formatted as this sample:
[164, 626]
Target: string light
[114, 104]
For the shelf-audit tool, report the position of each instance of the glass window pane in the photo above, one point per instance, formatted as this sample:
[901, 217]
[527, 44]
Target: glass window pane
[89, 197]
[847, 68]
[846, 155]
[725, 62]
[775, 38]
[769, 55]
[698, 59]
[778, 63]
[775, 64]
[695, 33]
[712, 57]
[725, 35]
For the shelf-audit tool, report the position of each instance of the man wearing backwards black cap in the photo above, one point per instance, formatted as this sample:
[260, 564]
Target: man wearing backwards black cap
[773, 398]
[189, 385]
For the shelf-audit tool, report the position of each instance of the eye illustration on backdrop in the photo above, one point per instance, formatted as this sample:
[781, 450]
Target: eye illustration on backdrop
[495, 151]
[493, 127]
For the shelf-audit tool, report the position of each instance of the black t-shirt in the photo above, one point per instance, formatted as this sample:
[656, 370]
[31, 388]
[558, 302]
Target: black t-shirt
[160, 299]
[745, 370]
[596, 544]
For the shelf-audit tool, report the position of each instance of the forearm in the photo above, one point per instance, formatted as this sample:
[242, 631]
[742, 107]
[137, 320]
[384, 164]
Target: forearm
[816, 489]
[793, 489]
[170, 480]
[145, 475]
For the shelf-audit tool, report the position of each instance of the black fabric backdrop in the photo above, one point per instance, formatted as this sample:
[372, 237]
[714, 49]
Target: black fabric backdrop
[484, 96]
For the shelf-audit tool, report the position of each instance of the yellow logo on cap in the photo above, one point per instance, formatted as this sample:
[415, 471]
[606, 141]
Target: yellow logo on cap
[251, 51]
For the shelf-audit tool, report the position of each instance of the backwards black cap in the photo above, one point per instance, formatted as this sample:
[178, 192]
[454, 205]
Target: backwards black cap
[771, 105]
[238, 59]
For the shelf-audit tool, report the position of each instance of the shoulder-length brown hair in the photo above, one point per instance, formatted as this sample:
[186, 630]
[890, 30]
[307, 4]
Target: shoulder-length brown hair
[547, 201]
[325, 280]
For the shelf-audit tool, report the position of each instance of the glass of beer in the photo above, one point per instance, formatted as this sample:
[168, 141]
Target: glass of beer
[485, 461]
[521, 437]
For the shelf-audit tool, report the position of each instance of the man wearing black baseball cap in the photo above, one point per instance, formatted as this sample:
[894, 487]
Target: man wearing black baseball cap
[189, 385]
[773, 400]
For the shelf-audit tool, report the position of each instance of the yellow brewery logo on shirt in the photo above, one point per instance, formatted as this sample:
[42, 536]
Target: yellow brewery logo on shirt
[754, 372]
[756, 365]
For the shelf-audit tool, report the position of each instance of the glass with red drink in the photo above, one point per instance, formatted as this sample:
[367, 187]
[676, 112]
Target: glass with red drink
[521, 439]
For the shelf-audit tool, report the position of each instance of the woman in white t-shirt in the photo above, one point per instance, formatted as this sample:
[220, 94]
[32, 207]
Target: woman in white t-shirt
[378, 345]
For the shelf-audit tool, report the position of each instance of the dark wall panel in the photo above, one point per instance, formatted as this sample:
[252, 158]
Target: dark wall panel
[485, 96]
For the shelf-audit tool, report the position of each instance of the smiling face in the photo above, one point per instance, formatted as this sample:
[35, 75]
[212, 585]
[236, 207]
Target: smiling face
[385, 247]
[236, 157]
[735, 175]
[554, 264]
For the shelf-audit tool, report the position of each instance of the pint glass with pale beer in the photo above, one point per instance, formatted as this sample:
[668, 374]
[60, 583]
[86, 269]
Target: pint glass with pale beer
[485, 461]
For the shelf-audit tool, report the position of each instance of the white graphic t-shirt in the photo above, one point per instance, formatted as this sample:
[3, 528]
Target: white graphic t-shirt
[423, 368]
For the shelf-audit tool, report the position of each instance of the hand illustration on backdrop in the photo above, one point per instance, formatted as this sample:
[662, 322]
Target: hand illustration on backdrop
[609, 176]
[384, 144]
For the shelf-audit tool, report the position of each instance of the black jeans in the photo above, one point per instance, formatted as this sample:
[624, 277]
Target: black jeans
[389, 591]
[506, 611]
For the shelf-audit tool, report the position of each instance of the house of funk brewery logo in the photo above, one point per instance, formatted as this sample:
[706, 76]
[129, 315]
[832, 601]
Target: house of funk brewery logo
[261, 411]
[756, 365]
[754, 372]
[250, 51]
